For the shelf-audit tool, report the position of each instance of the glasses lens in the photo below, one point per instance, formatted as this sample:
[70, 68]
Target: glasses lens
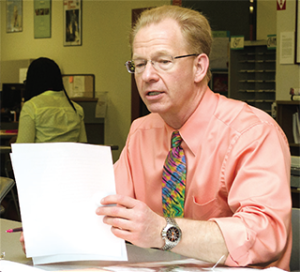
[164, 62]
[139, 65]
[130, 66]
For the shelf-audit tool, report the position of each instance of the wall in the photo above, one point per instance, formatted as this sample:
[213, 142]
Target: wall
[287, 75]
[266, 18]
[223, 15]
[106, 25]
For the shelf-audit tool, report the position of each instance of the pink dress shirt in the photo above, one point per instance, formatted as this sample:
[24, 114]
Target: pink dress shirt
[238, 174]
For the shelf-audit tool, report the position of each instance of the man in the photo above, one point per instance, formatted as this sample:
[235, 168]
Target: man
[237, 203]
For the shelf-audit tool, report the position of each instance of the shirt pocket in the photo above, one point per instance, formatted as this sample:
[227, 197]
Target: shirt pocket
[208, 209]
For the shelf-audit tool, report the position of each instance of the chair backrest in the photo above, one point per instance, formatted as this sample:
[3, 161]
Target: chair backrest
[6, 185]
[295, 258]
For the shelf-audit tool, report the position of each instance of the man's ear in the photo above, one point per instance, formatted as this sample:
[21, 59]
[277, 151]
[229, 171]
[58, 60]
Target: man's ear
[201, 67]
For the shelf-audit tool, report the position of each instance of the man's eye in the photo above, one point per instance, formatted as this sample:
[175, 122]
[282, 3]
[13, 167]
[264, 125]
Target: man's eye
[164, 61]
[139, 64]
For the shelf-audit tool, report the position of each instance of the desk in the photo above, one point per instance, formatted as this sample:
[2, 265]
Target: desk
[13, 252]
[5, 135]
[5, 149]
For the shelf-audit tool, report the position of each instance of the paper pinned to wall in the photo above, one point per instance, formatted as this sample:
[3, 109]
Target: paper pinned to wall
[101, 106]
[80, 85]
[287, 49]
[74, 85]
[22, 74]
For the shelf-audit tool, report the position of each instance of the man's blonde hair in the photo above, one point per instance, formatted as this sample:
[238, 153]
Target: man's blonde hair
[194, 27]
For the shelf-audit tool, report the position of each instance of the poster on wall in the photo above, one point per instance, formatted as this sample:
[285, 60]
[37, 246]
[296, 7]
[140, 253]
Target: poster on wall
[72, 23]
[42, 19]
[14, 16]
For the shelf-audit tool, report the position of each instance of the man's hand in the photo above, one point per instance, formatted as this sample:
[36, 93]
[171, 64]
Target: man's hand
[133, 221]
[22, 242]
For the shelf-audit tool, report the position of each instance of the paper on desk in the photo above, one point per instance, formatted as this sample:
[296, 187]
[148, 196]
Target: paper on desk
[7, 266]
[56, 185]
[187, 267]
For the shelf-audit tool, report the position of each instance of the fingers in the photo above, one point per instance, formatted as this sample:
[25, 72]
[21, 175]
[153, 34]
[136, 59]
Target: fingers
[117, 206]
[124, 201]
[22, 241]
[118, 223]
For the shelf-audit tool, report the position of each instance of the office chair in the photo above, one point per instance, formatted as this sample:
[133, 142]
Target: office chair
[295, 258]
[6, 186]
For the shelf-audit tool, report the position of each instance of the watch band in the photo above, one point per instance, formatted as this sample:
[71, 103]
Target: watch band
[171, 228]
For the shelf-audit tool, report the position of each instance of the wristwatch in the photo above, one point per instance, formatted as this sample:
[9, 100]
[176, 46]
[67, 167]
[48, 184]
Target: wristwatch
[171, 234]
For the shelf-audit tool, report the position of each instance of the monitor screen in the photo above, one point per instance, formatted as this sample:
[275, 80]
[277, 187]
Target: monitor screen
[11, 95]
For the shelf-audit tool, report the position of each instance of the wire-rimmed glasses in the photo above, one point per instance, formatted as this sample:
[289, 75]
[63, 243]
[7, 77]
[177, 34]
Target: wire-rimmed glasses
[160, 64]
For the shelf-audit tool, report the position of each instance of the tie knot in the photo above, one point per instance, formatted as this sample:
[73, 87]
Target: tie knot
[176, 139]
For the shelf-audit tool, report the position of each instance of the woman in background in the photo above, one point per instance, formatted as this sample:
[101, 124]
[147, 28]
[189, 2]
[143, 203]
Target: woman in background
[48, 114]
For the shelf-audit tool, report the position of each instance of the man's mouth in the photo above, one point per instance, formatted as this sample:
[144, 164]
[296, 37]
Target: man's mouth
[153, 93]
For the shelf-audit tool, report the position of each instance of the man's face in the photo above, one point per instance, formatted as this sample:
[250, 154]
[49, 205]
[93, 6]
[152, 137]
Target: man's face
[170, 92]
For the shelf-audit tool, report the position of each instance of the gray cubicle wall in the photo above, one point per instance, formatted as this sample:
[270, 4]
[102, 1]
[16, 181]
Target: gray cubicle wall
[94, 126]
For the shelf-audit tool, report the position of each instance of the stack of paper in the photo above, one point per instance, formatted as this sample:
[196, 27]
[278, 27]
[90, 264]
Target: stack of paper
[58, 185]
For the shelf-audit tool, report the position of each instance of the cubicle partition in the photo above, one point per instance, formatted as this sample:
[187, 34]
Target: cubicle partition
[81, 89]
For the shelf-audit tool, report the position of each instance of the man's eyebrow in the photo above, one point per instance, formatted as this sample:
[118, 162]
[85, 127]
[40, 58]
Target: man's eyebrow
[137, 57]
[155, 55]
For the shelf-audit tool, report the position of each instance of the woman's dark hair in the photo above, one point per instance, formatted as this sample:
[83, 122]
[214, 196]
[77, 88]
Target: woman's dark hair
[43, 75]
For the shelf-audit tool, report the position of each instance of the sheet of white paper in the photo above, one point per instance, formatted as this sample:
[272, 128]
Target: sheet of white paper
[56, 184]
[287, 50]
[79, 84]
[22, 74]
[76, 257]
[7, 266]
[69, 86]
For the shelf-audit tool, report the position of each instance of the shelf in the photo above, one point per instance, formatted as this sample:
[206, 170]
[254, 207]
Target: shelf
[284, 117]
[285, 111]
[252, 73]
[258, 101]
[258, 91]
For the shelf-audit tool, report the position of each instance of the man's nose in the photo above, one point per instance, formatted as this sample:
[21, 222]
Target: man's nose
[150, 72]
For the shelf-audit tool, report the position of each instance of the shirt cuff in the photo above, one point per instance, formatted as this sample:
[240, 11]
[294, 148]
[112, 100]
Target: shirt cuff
[238, 240]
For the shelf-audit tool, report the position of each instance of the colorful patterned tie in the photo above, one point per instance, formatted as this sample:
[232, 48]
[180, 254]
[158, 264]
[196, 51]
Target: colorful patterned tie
[174, 177]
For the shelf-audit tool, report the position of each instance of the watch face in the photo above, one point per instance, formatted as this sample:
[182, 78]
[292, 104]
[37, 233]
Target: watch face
[173, 234]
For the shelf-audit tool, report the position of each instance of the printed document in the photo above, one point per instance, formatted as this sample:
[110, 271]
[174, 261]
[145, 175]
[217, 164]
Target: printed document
[60, 185]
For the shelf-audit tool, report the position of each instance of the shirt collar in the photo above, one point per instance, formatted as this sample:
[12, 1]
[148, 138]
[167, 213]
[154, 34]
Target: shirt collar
[194, 129]
[58, 93]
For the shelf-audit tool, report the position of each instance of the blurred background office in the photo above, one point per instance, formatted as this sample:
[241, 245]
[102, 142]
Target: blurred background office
[102, 48]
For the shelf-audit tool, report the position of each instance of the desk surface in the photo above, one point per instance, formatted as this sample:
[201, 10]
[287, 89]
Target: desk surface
[13, 252]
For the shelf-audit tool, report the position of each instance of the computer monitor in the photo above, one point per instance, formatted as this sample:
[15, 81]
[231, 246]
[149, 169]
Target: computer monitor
[11, 98]
[11, 95]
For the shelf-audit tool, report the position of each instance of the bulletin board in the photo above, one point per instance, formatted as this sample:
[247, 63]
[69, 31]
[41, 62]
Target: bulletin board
[79, 85]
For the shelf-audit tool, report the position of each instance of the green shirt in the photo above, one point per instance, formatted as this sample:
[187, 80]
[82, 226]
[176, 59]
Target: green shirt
[49, 117]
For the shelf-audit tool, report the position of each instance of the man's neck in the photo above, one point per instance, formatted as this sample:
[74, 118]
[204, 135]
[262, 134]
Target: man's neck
[178, 119]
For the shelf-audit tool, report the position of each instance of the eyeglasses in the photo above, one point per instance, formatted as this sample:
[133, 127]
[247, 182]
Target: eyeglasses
[161, 63]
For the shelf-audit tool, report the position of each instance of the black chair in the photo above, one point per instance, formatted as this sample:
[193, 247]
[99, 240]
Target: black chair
[295, 258]
[6, 186]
